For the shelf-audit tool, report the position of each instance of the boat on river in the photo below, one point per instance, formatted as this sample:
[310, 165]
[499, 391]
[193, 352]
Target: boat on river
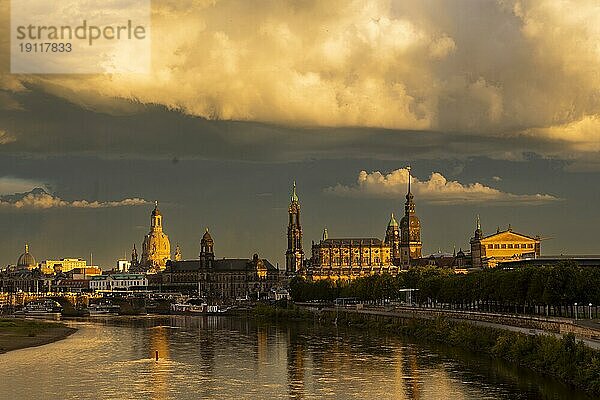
[198, 306]
[42, 308]
[103, 308]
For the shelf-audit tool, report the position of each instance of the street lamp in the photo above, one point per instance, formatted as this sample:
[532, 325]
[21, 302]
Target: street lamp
[575, 310]
[590, 308]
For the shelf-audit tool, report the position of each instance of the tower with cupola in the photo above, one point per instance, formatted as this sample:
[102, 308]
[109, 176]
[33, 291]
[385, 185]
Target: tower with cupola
[294, 256]
[410, 229]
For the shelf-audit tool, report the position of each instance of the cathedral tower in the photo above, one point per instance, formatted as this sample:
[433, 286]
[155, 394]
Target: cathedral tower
[410, 230]
[294, 255]
[392, 239]
[156, 249]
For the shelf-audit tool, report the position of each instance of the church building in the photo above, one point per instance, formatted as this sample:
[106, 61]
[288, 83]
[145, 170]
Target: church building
[349, 258]
[221, 279]
[156, 248]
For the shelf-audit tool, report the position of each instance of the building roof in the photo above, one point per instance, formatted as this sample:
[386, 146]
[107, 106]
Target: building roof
[341, 242]
[26, 260]
[393, 221]
[509, 232]
[118, 277]
[206, 237]
[219, 265]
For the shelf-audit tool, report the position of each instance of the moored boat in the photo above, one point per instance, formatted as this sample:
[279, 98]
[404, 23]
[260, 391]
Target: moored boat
[42, 308]
[197, 306]
[103, 308]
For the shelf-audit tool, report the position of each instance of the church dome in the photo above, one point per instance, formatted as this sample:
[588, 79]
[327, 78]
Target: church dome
[206, 237]
[26, 260]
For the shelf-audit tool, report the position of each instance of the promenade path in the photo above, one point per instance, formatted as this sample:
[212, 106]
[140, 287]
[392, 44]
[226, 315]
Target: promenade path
[587, 331]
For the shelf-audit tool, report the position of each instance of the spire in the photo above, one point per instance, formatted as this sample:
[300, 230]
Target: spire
[478, 233]
[294, 195]
[26, 248]
[409, 206]
[325, 234]
[393, 221]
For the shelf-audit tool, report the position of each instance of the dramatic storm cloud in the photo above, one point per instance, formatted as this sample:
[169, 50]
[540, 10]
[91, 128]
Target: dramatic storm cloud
[501, 98]
[520, 74]
[437, 189]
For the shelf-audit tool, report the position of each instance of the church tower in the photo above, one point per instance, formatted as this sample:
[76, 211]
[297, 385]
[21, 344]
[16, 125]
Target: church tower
[410, 230]
[294, 255]
[156, 249]
[134, 260]
[392, 239]
[207, 252]
[477, 249]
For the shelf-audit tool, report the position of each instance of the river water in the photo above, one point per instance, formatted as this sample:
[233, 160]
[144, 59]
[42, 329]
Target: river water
[235, 358]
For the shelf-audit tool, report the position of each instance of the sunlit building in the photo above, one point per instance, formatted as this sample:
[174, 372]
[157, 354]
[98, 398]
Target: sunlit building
[349, 258]
[220, 279]
[507, 245]
[119, 282]
[62, 265]
[156, 249]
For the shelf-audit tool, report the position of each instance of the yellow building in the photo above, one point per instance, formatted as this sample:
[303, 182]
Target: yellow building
[62, 265]
[345, 259]
[488, 251]
[156, 249]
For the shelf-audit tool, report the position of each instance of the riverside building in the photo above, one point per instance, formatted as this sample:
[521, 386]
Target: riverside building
[350, 258]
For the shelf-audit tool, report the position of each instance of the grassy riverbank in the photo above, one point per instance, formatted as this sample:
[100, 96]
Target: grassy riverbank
[564, 358]
[21, 333]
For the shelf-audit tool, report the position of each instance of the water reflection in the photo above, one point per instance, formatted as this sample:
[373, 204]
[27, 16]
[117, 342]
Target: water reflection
[216, 357]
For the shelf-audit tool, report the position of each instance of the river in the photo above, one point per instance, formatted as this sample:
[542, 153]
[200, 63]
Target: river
[236, 358]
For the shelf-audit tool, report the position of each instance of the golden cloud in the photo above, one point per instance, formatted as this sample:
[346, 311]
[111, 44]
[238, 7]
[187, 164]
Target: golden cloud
[437, 189]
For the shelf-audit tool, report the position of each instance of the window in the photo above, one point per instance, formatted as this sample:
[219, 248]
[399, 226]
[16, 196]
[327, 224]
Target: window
[496, 246]
[503, 245]
[510, 246]
[530, 246]
[490, 246]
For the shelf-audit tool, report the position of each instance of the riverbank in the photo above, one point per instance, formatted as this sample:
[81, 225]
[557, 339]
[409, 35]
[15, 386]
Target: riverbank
[564, 358]
[16, 333]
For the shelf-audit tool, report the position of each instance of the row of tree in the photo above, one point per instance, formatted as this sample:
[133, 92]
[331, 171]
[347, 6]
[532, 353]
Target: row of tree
[561, 284]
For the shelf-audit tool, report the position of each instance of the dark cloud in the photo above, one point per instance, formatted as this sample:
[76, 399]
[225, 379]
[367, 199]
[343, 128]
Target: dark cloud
[62, 127]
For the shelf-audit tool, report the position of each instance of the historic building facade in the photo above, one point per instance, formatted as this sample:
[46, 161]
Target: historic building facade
[349, 258]
[156, 249]
[502, 246]
[220, 280]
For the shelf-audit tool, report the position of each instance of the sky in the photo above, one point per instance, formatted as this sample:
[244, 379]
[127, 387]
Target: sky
[494, 104]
